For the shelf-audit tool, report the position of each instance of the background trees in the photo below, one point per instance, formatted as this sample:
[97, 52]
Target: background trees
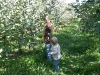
[21, 28]
[23, 20]
[89, 14]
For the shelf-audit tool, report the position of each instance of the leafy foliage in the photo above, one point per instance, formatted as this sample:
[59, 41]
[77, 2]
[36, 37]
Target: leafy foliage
[89, 14]
[21, 28]
[78, 56]
[23, 20]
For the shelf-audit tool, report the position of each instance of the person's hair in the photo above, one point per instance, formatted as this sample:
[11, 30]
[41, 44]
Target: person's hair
[54, 40]
[48, 29]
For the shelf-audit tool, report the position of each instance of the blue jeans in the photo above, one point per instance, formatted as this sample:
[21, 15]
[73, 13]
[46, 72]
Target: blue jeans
[48, 47]
[56, 65]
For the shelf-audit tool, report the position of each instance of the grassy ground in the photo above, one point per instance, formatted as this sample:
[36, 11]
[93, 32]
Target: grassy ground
[80, 56]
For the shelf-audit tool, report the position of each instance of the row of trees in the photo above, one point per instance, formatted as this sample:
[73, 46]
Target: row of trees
[96, 1]
[22, 20]
[89, 14]
[89, 23]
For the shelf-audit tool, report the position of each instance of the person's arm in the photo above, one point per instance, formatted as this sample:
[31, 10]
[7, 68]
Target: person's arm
[55, 51]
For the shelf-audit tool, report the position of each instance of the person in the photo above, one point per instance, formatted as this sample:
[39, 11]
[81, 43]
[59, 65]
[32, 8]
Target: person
[55, 52]
[47, 37]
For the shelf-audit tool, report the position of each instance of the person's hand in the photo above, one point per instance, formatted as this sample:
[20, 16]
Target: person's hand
[46, 17]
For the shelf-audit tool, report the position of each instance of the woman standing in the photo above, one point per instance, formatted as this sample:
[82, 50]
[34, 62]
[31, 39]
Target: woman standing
[47, 37]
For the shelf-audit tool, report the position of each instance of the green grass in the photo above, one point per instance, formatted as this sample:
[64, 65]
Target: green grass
[80, 56]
